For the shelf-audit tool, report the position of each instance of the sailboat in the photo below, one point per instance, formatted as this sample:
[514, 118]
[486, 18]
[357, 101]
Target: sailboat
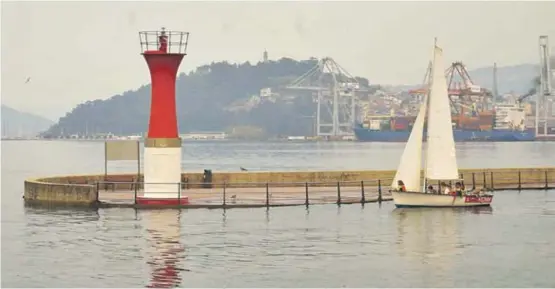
[440, 163]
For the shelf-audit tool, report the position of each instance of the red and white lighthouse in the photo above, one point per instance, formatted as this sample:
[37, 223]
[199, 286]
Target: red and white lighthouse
[163, 51]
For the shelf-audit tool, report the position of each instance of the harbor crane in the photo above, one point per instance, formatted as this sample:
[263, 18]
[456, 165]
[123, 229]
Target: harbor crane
[462, 90]
[545, 107]
[334, 90]
[466, 91]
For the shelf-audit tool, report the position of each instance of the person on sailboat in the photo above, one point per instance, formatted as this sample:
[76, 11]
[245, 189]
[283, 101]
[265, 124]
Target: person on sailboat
[401, 186]
[458, 189]
[446, 188]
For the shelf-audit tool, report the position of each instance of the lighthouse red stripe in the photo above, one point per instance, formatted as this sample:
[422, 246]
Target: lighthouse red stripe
[163, 118]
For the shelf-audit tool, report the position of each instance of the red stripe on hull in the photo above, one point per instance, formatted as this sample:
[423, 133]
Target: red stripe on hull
[478, 199]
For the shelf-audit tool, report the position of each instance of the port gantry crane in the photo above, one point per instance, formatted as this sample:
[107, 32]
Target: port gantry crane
[461, 89]
[545, 119]
[334, 90]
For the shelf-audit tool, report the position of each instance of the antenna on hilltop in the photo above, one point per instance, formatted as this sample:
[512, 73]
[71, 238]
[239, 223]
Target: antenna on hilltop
[265, 55]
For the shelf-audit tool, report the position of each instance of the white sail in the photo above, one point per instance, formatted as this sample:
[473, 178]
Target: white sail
[441, 159]
[411, 160]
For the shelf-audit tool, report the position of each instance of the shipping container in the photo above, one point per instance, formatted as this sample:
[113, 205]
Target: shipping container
[375, 124]
[486, 127]
[470, 127]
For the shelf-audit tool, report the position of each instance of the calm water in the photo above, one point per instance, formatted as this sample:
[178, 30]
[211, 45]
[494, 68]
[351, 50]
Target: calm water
[510, 245]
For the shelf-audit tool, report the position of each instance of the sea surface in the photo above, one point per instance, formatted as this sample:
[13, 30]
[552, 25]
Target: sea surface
[510, 244]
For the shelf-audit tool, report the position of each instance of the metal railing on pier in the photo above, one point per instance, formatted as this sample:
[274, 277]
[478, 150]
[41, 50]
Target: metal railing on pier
[236, 194]
[259, 194]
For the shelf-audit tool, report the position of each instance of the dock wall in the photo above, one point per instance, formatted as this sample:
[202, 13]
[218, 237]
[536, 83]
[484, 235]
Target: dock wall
[45, 191]
[83, 189]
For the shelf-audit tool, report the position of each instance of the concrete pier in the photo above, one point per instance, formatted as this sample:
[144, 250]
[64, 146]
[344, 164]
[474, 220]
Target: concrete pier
[249, 189]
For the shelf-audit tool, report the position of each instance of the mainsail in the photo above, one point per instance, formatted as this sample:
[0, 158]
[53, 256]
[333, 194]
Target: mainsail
[441, 159]
[411, 160]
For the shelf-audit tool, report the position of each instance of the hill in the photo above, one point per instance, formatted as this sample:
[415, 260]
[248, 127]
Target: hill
[510, 79]
[517, 79]
[16, 123]
[216, 97]
[224, 96]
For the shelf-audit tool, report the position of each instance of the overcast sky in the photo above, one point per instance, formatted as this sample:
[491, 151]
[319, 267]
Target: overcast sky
[78, 51]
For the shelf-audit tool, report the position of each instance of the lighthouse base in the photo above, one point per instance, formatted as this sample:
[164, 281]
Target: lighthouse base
[184, 200]
[162, 181]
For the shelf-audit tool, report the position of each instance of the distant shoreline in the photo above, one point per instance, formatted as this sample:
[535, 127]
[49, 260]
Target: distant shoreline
[185, 140]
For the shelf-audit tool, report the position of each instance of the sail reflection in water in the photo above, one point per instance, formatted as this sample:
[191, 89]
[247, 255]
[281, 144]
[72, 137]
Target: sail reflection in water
[430, 240]
[164, 251]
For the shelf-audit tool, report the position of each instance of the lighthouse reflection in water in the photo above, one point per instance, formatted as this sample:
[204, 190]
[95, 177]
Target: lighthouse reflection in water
[164, 252]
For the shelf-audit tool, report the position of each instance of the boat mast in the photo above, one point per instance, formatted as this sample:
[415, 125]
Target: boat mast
[428, 83]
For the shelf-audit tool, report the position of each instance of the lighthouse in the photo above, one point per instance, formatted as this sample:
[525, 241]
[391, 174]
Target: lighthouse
[163, 51]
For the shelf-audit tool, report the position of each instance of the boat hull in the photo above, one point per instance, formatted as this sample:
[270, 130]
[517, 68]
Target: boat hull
[368, 135]
[416, 199]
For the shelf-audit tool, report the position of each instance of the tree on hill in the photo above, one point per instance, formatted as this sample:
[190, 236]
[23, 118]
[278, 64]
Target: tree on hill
[202, 99]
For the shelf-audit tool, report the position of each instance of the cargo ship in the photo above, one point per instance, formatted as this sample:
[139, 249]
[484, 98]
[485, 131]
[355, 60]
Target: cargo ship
[505, 123]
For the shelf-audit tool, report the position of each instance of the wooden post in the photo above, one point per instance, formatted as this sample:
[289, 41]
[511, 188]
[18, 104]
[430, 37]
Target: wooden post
[306, 194]
[138, 162]
[224, 197]
[491, 180]
[338, 193]
[179, 193]
[97, 191]
[362, 196]
[473, 181]
[267, 195]
[546, 182]
[135, 190]
[135, 197]
[379, 191]
[485, 181]
[105, 165]
[519, 182]
[133, 184]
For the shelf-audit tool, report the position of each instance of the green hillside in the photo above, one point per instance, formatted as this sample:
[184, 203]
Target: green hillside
[214, 97]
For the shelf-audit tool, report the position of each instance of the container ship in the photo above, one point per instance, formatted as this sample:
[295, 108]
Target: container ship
[504, 125]
[476, 115]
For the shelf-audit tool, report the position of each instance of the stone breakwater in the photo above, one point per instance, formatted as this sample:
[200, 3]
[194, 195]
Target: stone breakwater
[85, 190]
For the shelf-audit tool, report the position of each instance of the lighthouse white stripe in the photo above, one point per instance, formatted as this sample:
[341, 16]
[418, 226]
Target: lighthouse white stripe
[162, 172]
